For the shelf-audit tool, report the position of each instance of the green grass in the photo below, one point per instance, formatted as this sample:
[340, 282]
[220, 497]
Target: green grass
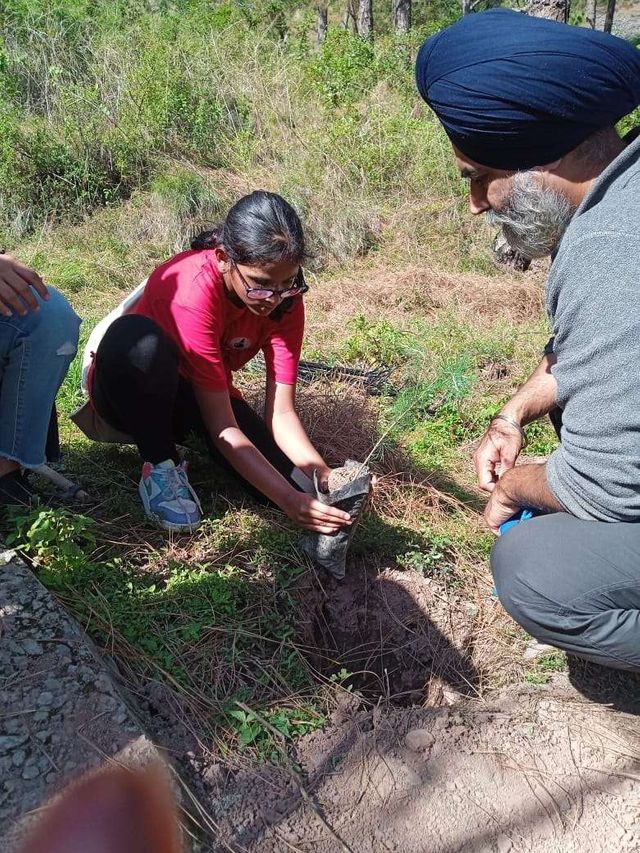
[218, 629]
[545, 666]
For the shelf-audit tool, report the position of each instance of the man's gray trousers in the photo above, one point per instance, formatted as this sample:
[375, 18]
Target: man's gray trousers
[574, 584]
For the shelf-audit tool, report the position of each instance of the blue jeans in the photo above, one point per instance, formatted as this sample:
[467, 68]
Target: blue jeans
[35, 353]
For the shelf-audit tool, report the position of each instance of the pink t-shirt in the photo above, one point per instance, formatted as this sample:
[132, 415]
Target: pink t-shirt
[187, 298]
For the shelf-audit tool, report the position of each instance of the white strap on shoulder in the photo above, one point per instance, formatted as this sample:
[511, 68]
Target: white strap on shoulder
[98, 332]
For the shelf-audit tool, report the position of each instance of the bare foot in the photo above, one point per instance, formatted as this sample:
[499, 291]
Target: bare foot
[7, 466]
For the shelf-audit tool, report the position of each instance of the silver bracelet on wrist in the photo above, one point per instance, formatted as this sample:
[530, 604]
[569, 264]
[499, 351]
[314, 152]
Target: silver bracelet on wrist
[514, 423]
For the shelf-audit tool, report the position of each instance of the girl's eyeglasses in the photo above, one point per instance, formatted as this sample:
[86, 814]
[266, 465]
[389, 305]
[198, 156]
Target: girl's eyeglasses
[299, 286]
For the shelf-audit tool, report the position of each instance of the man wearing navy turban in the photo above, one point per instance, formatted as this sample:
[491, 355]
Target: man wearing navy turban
[530, 107]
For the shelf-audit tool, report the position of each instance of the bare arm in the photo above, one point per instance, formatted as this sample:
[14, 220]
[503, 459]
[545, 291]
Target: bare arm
[537, 397]
[523, 486]
[286, 428]
[252, 465]
[502, 443]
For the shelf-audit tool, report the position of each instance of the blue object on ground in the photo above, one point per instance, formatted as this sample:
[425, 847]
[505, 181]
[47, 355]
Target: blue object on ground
[523, 515]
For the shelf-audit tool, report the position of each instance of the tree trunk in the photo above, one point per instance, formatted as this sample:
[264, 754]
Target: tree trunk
[593, 20]
[466, 7]
[402, 16]
[349, 21]
[365, 18]
[555, 10]
[322, 19]
[608, 20]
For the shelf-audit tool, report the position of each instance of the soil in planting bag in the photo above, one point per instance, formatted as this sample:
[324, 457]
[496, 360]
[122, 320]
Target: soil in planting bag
[348, 490]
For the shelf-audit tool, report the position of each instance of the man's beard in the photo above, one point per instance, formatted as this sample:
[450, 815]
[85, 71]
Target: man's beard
[533, 218]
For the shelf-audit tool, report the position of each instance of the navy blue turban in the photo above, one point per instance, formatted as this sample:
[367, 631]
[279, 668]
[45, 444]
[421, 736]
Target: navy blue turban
[513, 91]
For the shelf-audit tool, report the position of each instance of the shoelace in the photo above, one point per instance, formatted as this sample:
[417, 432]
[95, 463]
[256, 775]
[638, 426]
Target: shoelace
[174, 485]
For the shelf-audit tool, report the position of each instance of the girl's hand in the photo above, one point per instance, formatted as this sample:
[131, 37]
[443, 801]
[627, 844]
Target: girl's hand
[322, 473]
[309, 513]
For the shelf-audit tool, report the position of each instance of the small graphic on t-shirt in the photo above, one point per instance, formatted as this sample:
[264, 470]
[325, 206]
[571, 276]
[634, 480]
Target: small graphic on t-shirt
[240, 343]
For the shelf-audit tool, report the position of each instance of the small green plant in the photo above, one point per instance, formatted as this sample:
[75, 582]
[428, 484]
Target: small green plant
[432, 561]
[375, 342]
[54, 538]
[342, 678]
[259, 730]
[544, 667]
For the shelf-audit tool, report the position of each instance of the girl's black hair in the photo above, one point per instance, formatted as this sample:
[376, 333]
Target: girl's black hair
[260, 228]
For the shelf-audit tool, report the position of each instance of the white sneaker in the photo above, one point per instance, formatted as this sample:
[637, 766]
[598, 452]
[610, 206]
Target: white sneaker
[167, 496]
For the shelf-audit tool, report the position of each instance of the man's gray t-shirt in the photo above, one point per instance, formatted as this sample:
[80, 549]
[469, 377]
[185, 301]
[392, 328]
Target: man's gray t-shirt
[593, 301]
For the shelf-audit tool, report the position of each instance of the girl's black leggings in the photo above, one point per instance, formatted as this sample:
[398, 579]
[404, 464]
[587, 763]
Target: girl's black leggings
[137, 389]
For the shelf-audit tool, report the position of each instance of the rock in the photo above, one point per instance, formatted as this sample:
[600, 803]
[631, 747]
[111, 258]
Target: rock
[18, 757]
[419, 740]
[504, 844]
[31, 647]
[9, 742]
[31, 771]
[45, 698]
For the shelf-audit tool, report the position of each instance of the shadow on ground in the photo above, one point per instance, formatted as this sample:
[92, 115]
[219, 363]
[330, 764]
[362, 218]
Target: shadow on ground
[616, 688]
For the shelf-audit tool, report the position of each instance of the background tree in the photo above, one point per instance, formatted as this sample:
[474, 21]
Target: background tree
[365, 18]
[322, 20]
[608, 20]
[554, 10]
[401, 16]
[350, 19]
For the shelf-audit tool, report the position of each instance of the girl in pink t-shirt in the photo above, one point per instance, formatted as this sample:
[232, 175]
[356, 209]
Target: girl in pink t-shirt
[164, 370]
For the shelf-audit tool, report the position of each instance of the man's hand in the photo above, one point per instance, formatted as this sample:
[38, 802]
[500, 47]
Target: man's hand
[498, 449]
[310, 513]
[499, 509]
[524, 486]
[17, 283]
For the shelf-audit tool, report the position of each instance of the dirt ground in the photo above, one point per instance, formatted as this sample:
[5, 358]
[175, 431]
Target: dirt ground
[401, 636]
[429, 766]
[533, 769]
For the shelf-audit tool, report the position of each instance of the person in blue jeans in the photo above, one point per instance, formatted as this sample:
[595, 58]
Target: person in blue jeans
[38, 340]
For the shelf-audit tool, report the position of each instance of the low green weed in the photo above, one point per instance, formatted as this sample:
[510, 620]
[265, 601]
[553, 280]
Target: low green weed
[289, 723]
[55, 538]
[545, 666]
[434, 560]
[375, 342]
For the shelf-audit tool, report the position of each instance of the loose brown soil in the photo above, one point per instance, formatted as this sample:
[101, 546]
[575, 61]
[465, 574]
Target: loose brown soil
[340, 477]
[531, 770]
[458, 769]
[394, 632]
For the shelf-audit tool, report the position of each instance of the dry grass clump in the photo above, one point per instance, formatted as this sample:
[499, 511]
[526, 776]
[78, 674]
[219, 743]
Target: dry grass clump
[401, 295]
[341, 420]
